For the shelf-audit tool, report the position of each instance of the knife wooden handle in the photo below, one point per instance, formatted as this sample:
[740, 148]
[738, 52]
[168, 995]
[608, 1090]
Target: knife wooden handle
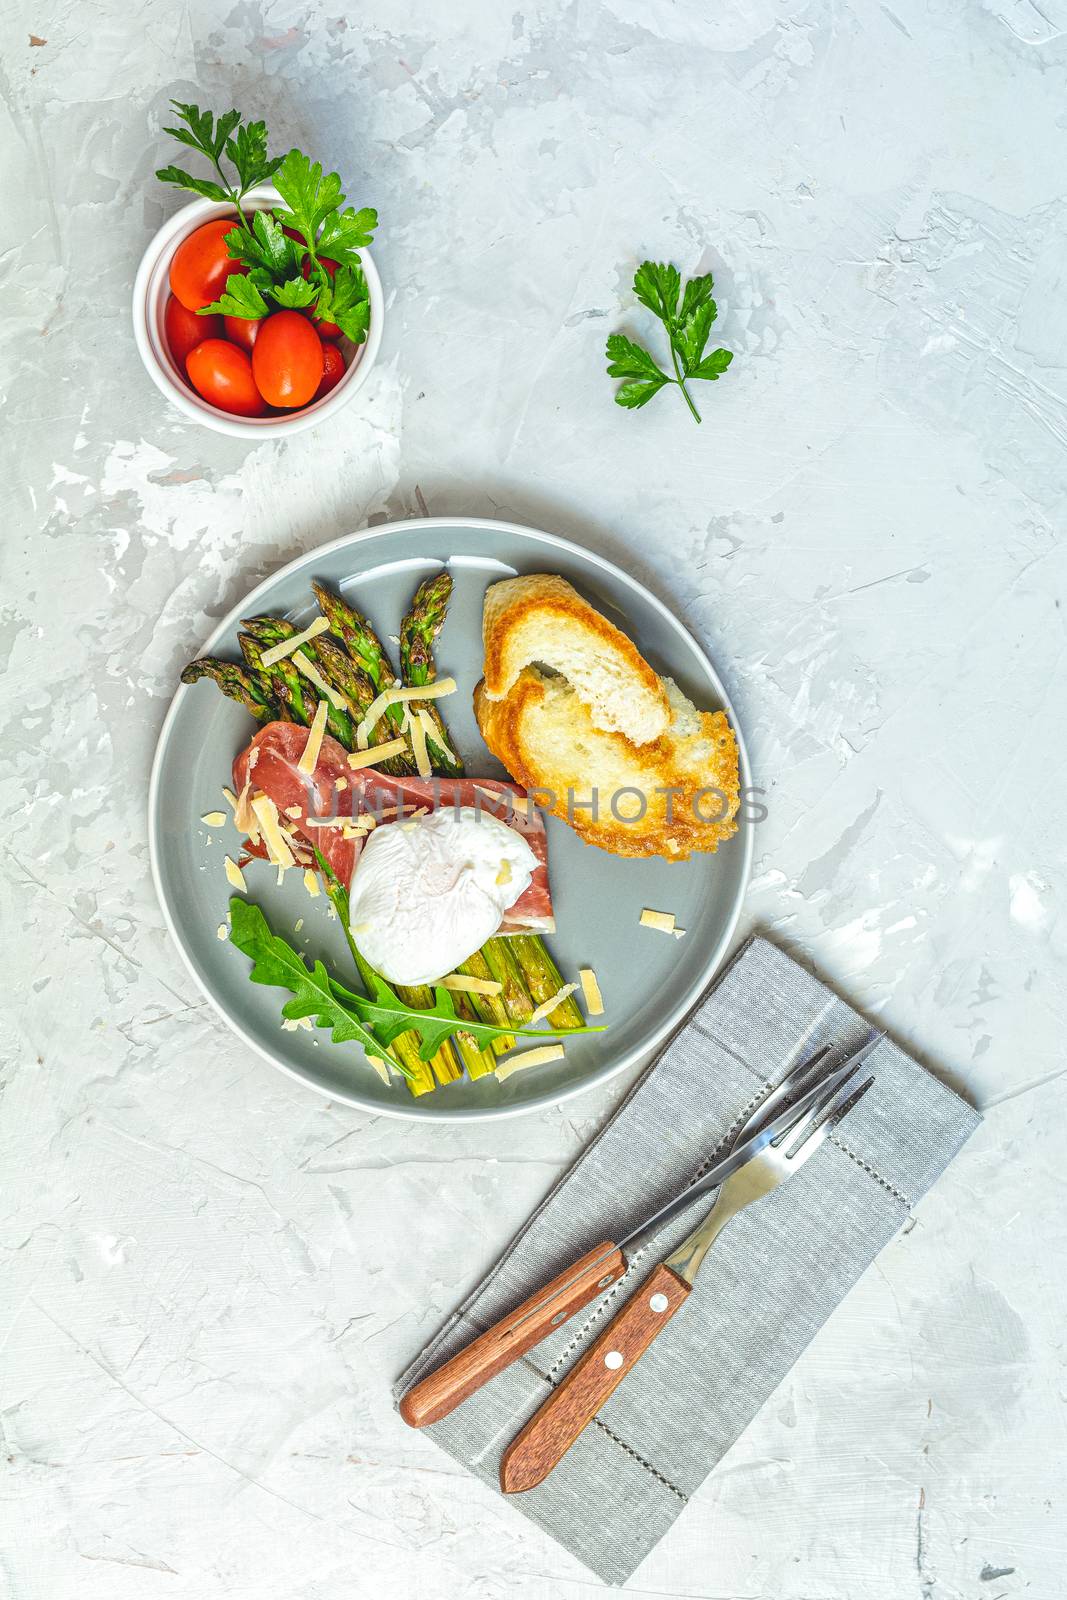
[547, 1308]
[549, 1434]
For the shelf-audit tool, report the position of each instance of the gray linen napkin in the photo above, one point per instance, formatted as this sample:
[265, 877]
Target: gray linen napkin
[769, 1283]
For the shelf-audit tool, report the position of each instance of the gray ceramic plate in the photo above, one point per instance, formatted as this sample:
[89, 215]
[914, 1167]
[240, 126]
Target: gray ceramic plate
[649, 981]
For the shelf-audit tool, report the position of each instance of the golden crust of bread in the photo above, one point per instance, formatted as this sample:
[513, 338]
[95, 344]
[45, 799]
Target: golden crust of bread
[545, 738]
[521, 624]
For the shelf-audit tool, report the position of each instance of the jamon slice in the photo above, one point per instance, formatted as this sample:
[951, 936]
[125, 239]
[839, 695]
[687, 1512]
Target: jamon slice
[269, 766]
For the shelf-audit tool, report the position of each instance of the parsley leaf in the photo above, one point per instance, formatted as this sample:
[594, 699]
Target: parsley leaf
[310, 196]
[248, 153]
[688, 326]
[345, 299]
[186, 180]
[294, 293]
[630, 360]
[265, 246]
[240, 298]
[346, 232]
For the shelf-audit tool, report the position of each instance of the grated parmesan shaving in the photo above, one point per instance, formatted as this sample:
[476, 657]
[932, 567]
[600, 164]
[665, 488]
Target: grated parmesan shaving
[662, 921]
[313, 675]
[550, 1005]
[529, 1058]
[380, 752]
[308, 761]
[594, 1000]
[380, 1067]
[418, 746]
[460, 983]
[432, 731]
[214, 819]
[396, 696]
[235, 877]
[244, 816]
[267, 816]
[311, 884]
[288, 647]
[222, 931]
[519, 802]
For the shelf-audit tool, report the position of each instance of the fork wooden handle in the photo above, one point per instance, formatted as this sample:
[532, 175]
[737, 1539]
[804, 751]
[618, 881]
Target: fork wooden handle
[550, 1433]
[547, 1308]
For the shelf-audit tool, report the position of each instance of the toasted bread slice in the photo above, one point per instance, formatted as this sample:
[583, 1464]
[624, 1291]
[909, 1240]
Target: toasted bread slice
[541, 620]
[546, 738]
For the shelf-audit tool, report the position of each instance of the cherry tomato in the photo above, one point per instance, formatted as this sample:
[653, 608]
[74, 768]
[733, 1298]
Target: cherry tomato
[242, 331]
[186, 329]
[201, 265]
[325, 330]
[222, 374]
[287, 360]
[333, 370]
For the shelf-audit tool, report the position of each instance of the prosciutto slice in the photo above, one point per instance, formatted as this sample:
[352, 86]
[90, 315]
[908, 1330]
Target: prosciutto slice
[334, 791]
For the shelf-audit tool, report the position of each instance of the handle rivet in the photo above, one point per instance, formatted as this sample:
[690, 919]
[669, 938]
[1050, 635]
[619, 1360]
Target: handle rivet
[604, 1282]
[659, 1302]
[613, 1360]
[561, 1316]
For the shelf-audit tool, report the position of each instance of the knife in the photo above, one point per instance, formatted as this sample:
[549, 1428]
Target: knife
[554, 1303]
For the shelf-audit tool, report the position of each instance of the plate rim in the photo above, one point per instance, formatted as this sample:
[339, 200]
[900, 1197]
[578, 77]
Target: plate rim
[416, 1112]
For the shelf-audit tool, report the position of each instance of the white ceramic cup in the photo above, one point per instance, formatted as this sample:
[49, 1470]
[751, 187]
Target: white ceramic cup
[151, 290]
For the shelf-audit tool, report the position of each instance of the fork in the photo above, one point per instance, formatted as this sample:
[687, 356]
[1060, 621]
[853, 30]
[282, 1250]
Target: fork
[552, 1430]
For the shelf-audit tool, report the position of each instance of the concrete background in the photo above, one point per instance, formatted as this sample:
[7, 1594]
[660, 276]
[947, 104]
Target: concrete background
[210, 1277]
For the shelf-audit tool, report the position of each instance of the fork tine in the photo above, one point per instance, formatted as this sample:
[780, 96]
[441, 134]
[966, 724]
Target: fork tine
[812, 1136]
[794, 1083]
[788, 1136]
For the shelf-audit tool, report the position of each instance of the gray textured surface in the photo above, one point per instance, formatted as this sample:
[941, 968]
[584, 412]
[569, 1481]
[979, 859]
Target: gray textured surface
[210, 1278]
[769, 1283]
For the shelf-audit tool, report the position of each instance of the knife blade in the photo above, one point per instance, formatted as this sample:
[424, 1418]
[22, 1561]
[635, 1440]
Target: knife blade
[554, 1303]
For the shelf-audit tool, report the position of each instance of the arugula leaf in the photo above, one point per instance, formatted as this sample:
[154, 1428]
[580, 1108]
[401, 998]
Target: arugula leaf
[294, 293]
[277, 964]
[688, 326]
[240, 298]
[373, 1020]
[345, 299]
[435, 1024]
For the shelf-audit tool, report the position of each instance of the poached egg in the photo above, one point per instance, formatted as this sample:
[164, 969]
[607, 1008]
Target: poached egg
[427, 893]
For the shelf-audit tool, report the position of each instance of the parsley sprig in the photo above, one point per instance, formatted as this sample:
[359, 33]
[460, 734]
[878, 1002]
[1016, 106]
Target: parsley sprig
[243, 143]
[284, 270]
[658, 285]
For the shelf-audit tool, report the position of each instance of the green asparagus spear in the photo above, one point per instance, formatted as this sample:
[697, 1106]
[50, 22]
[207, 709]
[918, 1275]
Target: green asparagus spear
[291, 687]
[251, 690]
[338, 669]
[362, 644]
[544, 979]
[418, 632]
